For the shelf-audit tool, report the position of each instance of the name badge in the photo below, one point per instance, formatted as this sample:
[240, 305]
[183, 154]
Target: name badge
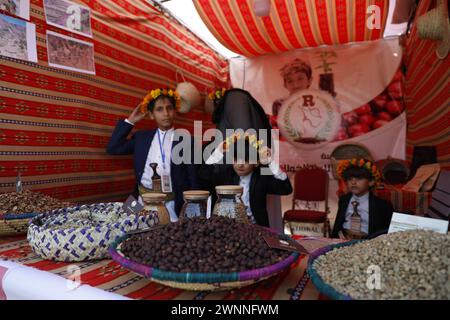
[166, 183]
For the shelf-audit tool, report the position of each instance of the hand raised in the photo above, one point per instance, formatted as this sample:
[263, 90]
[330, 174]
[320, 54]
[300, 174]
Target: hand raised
[137, 115]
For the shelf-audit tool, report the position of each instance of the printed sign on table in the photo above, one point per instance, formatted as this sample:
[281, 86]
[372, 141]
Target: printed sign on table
[70, 53]
[403, 222]
[68, 16]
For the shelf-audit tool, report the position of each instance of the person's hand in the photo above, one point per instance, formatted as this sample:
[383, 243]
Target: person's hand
[265, 155]
[137, 115]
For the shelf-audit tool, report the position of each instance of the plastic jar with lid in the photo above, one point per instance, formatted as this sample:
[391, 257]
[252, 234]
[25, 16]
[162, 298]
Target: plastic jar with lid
[195, 204]
[229, 203]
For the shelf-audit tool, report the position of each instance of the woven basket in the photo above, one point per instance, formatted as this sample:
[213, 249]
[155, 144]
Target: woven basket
[15, 224]
[346, 152]
[83, 232]
[434, 25]
[200, 281]
[317, 280]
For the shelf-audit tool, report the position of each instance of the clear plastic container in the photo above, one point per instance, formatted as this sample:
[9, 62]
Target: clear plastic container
[229, 203]
[195, 204]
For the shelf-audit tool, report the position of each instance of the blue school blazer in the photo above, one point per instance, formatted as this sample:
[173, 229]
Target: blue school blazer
[184, 176]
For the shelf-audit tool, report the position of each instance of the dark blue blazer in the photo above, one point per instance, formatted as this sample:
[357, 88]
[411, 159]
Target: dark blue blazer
[380, 214]
[184, 176]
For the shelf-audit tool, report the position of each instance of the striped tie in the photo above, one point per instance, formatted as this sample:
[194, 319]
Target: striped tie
[355, 219]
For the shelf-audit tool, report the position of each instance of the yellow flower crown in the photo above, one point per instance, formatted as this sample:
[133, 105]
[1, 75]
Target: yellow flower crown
[217, 94]
[252, 139]
[361, 163]
[154, 94]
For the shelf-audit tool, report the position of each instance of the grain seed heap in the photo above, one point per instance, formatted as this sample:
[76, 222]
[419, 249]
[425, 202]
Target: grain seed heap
[412, 265]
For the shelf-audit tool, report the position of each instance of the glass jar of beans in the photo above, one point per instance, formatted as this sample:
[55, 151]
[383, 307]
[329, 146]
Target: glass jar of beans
[229, 203]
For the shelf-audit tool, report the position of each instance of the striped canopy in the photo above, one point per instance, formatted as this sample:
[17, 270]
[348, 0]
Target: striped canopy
[291, 24]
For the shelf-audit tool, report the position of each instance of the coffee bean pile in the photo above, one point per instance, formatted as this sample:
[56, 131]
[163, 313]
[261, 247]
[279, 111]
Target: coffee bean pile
[218, 244]
[28, 202]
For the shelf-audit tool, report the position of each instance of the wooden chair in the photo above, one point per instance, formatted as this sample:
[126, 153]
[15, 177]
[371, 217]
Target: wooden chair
[310, 184]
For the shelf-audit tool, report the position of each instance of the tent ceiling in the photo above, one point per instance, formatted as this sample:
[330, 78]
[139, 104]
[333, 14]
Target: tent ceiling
[292, 24]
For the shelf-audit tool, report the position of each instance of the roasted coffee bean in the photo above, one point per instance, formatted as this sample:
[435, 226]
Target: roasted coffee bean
[218, 244]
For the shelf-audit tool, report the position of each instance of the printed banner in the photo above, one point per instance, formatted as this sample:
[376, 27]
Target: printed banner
[68, 16]
[19, 8]
[70, 53]
[18, 38]
[323, 97]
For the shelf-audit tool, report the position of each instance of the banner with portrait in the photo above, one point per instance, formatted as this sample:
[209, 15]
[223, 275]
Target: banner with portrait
[323, 97]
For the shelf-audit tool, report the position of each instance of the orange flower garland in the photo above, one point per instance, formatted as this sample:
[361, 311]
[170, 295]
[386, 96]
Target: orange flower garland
[362, 163]
[217, 94]
[252, 139]
[154, 94]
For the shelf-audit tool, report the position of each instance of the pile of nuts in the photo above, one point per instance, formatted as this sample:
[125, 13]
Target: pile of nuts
[28, 202]
[218, 244]
[402, 265]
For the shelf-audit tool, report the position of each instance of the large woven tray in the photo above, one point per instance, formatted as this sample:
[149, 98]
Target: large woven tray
[317, 280]
[15, 224]
[83, 232]
[200, 281]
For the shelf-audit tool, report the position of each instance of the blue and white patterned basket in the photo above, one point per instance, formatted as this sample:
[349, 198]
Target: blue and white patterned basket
[83, 232]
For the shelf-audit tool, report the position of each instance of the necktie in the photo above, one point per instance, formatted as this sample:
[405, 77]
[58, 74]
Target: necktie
[355, 219]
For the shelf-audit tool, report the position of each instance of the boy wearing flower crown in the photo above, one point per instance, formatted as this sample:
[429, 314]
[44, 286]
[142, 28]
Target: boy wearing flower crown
[155, 146]
[243, 156]
[361, 214]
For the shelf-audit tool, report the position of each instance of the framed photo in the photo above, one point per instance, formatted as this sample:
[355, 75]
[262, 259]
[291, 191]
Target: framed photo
[69, 53]
[18, 38]
[19, 8]
[69, 16]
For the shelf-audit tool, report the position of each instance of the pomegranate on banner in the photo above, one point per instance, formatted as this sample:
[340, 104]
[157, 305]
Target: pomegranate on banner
[309, 118]
[374, 114]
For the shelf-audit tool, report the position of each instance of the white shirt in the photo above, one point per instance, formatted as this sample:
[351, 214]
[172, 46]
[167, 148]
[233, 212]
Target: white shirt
[363, 210]
[154, 156]
[244, 181]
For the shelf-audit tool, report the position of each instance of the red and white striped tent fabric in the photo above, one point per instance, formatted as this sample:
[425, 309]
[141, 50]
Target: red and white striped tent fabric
[292, 24]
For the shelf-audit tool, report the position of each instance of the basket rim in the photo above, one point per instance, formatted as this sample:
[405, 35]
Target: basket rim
[322, 286]
[20, 216]
[33, 227]
[355, 145]
[210, 278]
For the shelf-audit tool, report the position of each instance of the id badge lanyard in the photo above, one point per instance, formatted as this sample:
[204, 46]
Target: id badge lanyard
[161, 149]
[166, 181]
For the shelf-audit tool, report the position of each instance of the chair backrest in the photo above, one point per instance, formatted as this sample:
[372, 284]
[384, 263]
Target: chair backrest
[439, 207]
[311, 184]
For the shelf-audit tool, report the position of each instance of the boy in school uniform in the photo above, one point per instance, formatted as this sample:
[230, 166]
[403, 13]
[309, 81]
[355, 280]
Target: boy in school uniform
[155, 146]
[361, 214]
[248, 174]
